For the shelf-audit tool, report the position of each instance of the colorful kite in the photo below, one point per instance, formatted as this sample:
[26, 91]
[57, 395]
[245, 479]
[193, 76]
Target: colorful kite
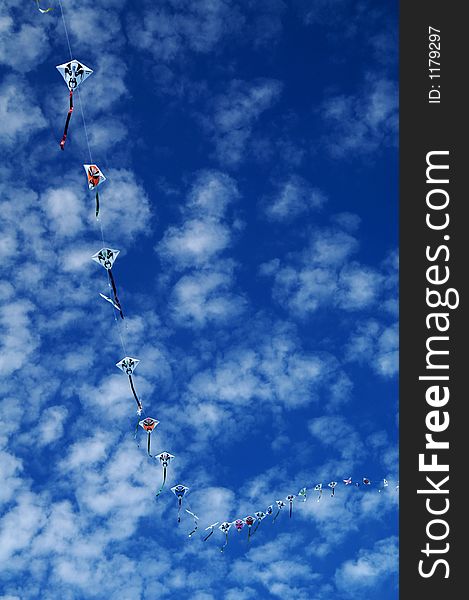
[165, 458]
[348, 481]
[249, 522]
[128, 365]
[179, 491]
[73, 73]
[95, 178]
[212, 529]
[239, 524]
[332, 485]
[148, 424]
[366, 481]
[106, 257]
[224, 528]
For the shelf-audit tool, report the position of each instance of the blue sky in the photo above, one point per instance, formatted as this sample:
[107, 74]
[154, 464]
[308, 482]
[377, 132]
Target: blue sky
[251, 155]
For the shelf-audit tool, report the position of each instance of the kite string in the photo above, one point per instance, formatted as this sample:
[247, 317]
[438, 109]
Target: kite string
[119, 325]
[66, 30]
[84, 126]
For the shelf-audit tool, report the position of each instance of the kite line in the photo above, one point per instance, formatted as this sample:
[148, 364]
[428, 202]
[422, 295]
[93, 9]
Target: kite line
[74, 74]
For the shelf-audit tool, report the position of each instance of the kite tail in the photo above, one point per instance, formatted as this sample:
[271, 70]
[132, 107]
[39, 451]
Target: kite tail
[290, 509]
[97, 204]
[320, 494]
[249, 535]
[114, 291]
[149, 443]
[207, 536]
[69, 114]
[225, 544]
[179, 509]
[278, 512]
[256, 527]
[139, 404]
[162, 485]
[196, 526]
[333, 492]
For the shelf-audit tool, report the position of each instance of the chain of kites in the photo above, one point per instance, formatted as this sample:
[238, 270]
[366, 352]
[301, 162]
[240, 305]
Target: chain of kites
[74, 73]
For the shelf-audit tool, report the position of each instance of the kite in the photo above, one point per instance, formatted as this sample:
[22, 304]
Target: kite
[165, 458]
[43, 10]
[302, 493]
[249, 522]
[366, 481]
[348, 481]
[106, 257]
[318, 488]
[280, 504]
[290, 499]
[73, 73]
[148, 424]
[259, 516]
[332, 485]
[212, 529]
[127, 365]
[269, 510]
[224, 528]
[95, 178]
[239, 524]
[196, 518]
[179, 491]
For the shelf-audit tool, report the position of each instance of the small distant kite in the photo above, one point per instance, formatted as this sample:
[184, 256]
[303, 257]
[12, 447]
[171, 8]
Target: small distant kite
[196, 524]
[280, 504]
[302, 493]
[290, 499]
[249, 523]
[318, 488]
[179, 491]
[73, 73]
[106, 257]
[148, 424]
[225, 528]
[95, 178]
[332, 485]
[212, 529]
[165, 459]
[127, 365]
[260, 516]
[239, 524]
[43, 10]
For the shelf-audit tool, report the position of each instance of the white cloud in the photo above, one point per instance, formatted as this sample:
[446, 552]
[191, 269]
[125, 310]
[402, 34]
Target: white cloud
[235, 114]
[323, 274]
[368, 569]
[205, 298]
[22, 44]
[363, 123]
[19, 115]
[375, 344]
[292, 198]
[176, 27]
